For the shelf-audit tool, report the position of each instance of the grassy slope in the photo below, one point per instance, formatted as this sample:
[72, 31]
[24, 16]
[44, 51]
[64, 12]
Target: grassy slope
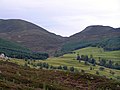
[69, 60]
[97, 52]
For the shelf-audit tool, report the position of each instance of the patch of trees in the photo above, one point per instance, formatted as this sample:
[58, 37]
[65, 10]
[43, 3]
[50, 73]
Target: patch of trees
[45, 65]
[102, 62]
[59, 53]
[110, 44]
[21, 54]
[86, 59]
[15, 50]
[109, 64]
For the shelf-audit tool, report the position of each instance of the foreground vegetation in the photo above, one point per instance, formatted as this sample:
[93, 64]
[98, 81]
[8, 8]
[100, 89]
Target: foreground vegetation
[15, 77]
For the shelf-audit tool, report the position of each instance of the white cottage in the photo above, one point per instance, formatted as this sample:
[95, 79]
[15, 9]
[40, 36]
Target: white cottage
[2, 55]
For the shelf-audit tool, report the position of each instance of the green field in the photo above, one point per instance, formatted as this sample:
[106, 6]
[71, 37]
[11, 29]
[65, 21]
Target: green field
[96, 52]
[70, 61]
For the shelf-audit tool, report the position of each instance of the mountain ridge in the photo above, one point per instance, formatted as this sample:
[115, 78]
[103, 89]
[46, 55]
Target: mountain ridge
[96, 30]
[37, 38]
[96, 36]
[30, 35]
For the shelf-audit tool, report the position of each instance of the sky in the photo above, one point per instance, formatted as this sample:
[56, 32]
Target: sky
[63, 17]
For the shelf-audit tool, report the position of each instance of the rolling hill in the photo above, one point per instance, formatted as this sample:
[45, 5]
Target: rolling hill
[20, 37]
[38, 39]
[30, 35]
[95, 32]
[97, 35]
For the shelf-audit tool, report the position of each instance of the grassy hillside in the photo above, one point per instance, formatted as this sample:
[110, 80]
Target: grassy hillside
[15, 77]
[69, 60]
[97, 53]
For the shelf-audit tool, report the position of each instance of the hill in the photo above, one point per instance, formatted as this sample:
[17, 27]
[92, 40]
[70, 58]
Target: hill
[30, 35]
[95, 32]
[100, 36]
[38, 39]
[15, 77]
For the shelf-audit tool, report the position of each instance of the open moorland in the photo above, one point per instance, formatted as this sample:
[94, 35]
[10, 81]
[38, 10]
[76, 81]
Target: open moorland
[17, 77]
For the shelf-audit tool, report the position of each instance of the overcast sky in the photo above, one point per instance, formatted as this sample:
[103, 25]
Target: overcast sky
[63, 17]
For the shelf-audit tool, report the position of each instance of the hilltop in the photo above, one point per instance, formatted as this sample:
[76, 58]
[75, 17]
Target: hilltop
[95, 32]
[30, 35]
[38, 39]
[97, 35]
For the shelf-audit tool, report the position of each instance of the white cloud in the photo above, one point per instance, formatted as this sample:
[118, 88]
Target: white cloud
[63, 17]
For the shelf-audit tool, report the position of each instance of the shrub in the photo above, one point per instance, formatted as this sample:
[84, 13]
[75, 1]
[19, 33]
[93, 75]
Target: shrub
[111, 72]
[91, 68]
[72, 69]
[86, 63]
[97, 73]
[59, 67]
[82, 71]
[101, 68]
[65, 68]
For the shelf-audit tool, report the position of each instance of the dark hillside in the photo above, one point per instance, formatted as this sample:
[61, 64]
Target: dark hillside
[95, 32]
[100, 36]
[38, 39]
[30, 35]
[15, 50]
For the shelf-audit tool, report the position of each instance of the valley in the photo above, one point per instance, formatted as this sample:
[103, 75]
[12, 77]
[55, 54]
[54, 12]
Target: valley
[41, 60]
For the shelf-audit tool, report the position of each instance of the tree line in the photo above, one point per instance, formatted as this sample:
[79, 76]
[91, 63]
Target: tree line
[101, 62]
[22, 54]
